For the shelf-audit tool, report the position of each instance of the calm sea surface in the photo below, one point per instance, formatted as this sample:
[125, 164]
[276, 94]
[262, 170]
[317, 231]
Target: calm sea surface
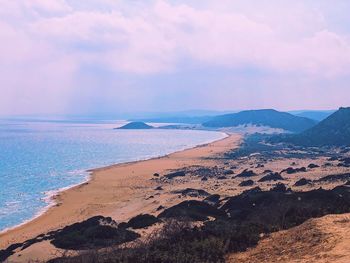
[37, 158]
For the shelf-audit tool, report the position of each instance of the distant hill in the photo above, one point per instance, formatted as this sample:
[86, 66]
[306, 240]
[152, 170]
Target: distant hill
[178, 119]
[314, 115]
[136, 126]
[269, 117]
[188, 117]
[333, 131]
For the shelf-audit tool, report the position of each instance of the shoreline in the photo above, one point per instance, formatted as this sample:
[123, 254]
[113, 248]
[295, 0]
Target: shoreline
[56, 199]
[49, 198]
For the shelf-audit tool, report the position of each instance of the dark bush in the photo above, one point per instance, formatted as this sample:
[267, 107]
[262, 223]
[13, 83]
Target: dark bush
[246, 183]
[251, 213]
[142, 221]
[291, 170]
[96, 232]
[193, 210]
[334, 178]
[213, 199]
[271, 177]
[246, 173]
[192, 192]
[175, 174]
[302, 182]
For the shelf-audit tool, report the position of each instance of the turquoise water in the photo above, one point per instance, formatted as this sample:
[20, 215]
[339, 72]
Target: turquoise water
[37, 158]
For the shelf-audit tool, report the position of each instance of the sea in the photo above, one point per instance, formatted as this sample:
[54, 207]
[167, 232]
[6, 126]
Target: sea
[39, 158]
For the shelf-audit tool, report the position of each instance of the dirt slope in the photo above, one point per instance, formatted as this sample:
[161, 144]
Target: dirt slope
[321, 240]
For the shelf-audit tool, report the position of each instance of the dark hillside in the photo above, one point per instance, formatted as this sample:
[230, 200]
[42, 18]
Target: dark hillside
[271, 118]
[333, 131]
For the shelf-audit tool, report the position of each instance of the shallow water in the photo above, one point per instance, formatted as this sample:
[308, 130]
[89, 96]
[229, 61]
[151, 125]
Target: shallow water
[37, 158]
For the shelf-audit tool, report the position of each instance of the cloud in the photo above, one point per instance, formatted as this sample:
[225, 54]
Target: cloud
[155, 38]
[47, 45]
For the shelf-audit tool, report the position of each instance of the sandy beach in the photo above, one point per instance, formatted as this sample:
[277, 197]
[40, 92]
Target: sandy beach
[119, 191]
[126, 190]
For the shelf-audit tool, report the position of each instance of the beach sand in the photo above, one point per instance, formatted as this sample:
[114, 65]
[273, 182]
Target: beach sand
[126, 190]
[119, 191]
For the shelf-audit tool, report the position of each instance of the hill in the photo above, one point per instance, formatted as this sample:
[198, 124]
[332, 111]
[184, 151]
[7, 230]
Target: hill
[188, 117]
[326, 237]
[333, 131]
[269, 117]
[314, 115]
[178, 119]
[136, 126]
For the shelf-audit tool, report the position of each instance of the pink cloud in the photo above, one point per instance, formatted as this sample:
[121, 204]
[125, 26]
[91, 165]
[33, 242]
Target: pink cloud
[44, 43]
[154, 39]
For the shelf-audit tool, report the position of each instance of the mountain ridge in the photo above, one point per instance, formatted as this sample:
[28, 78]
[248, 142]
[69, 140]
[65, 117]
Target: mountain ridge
[332, 131]
[263, 117]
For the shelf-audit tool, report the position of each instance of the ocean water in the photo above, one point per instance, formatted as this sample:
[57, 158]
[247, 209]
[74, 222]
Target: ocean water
[37, 158]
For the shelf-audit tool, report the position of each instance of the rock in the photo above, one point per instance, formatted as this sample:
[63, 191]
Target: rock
[256, 189]
[95, 232]
[142, 221]
[193, 210]
[160, 208]
[204, 179]
[312, 166]
[222, 178]
[159, 188]
[271, 177]
[282, 209]
[213, 199]
[206, 171]
[302, 182]
[279, 188]
[156, 175]
[291, 170]
[246, 183]
[246, 173]
[334, 158]
[267, 171]
[345, 160]
[5, 253]
[192, 192]
[175, 174]
[334, 178]
[228, 172]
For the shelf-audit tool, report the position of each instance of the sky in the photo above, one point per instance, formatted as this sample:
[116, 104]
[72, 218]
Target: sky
[107, 56]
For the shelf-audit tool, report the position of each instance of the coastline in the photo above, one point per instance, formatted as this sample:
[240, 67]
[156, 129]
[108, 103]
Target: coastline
[60, 199]
[49, 199]
[50, 195]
